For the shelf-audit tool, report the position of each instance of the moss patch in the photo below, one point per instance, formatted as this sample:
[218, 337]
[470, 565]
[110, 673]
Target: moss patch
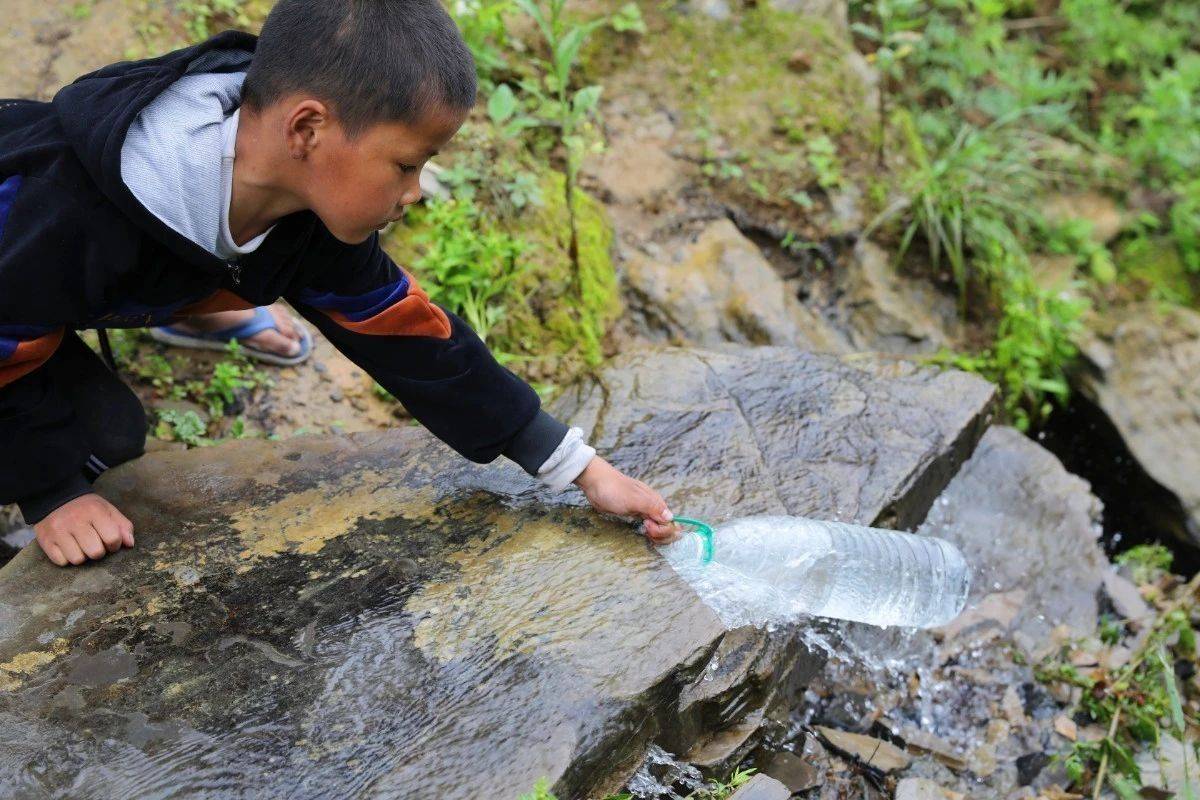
[552, 326]
[758, 92]
[1152, 269]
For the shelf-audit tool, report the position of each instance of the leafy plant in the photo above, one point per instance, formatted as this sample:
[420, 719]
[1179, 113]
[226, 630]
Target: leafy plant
[564, 110]
[233, 373]
[1033, 344]
[823, 158]
[893, 34]
[482, 25]
[181, 426]
[628, 19]
[541, 791]
[1074, 237]
[1146, 561]
[1140, 706]
[470, 263]
[971, 197]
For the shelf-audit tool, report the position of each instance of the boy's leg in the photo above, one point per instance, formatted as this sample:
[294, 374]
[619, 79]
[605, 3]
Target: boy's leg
[108, 413]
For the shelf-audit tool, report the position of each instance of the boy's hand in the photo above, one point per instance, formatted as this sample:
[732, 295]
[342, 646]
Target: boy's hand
[83, 528]
[610, 490]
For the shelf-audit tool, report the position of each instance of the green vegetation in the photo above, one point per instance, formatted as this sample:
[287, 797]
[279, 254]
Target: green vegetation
[713, 790]
[1145, 708]
[203, 15]
[520, 251]
[470, 263]
[1001, 106]
[1146, 562]
[166, 378]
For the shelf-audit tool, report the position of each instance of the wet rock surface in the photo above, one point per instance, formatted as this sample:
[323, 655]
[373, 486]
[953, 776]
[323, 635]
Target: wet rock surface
[738, 431]
[371, 614]
[1143, 376]
[331, 617]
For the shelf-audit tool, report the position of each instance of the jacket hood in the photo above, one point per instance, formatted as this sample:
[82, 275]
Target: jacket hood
[97, 110]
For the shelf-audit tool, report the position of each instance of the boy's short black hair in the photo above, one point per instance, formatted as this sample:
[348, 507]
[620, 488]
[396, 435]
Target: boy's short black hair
[371, 60]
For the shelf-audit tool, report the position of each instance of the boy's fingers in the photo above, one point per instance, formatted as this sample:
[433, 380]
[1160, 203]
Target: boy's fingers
[54, 554]
[70, 550]
[654, 507]
[659, 533]
[90, 543]
[123, 528]
[110, 534]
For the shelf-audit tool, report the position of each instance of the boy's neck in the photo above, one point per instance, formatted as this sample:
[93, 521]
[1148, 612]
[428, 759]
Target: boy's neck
[264, 182]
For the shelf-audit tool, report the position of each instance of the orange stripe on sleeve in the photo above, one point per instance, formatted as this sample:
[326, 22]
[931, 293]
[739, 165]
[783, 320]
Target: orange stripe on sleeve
[413, 315]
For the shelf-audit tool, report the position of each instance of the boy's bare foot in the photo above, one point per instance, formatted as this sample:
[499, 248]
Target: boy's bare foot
[284, 342]
[83, 528]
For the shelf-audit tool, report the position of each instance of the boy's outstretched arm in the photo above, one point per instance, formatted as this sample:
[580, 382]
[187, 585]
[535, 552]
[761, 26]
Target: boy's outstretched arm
[434, 364]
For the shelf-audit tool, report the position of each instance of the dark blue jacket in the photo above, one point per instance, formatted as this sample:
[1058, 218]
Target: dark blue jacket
[77, 250]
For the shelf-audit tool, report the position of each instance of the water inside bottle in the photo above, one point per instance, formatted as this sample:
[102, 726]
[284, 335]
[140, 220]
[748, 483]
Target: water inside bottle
[776, 569]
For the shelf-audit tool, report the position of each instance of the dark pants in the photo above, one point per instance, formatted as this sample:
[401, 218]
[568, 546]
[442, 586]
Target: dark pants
[108, 416]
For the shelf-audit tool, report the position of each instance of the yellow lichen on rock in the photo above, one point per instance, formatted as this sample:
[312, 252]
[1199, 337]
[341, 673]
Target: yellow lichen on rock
[25, 663]
[303, 522]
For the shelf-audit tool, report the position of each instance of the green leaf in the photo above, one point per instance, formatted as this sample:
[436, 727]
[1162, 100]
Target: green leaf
[586, 99]
[535, 13]
[502, 104]
[1125, 788]
[628, 18]
[1176, 705]
[566, 50]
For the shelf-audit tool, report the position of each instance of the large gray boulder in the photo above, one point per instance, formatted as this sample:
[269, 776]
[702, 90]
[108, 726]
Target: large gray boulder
[736, 431]
[1142, 371]
[338, 617]
[1031, 531]
[370, 615]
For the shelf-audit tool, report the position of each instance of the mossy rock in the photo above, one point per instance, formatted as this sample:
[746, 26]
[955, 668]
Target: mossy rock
[554, 323]
[1153, 269]
[758, 91]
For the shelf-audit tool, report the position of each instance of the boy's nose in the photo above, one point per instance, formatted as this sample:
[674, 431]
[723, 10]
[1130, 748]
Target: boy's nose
[410, 196]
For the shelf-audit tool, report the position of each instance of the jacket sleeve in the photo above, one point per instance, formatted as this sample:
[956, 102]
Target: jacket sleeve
[428, 358]
[43, 451]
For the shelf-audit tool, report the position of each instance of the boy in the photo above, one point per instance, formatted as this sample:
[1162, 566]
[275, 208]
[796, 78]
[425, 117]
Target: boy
[225, 176]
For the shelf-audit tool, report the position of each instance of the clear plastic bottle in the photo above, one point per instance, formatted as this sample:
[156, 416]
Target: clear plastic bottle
[775, 568]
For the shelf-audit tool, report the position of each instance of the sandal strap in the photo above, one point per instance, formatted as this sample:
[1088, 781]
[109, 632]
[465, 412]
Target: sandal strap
[261, 321]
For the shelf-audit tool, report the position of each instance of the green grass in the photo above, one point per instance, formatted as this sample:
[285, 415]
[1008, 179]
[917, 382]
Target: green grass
[713, 790]
[1142, 707]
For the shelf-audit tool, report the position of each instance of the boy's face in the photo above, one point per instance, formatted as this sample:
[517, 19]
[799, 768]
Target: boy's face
[357, 185]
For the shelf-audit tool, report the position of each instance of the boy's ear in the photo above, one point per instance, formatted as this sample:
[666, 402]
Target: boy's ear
[307, 123]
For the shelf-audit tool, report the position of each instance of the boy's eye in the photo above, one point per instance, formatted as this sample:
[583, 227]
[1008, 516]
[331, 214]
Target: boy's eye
[407, 168]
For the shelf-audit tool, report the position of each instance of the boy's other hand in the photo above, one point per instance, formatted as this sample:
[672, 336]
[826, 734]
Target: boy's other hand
[610, 490]
[83, 528]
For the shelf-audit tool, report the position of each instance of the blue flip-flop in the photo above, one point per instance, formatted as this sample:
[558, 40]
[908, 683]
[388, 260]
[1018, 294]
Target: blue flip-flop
[219, 340]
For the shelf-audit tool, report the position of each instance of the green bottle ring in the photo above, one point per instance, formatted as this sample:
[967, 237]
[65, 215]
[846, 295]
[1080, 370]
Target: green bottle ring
[706, 533]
